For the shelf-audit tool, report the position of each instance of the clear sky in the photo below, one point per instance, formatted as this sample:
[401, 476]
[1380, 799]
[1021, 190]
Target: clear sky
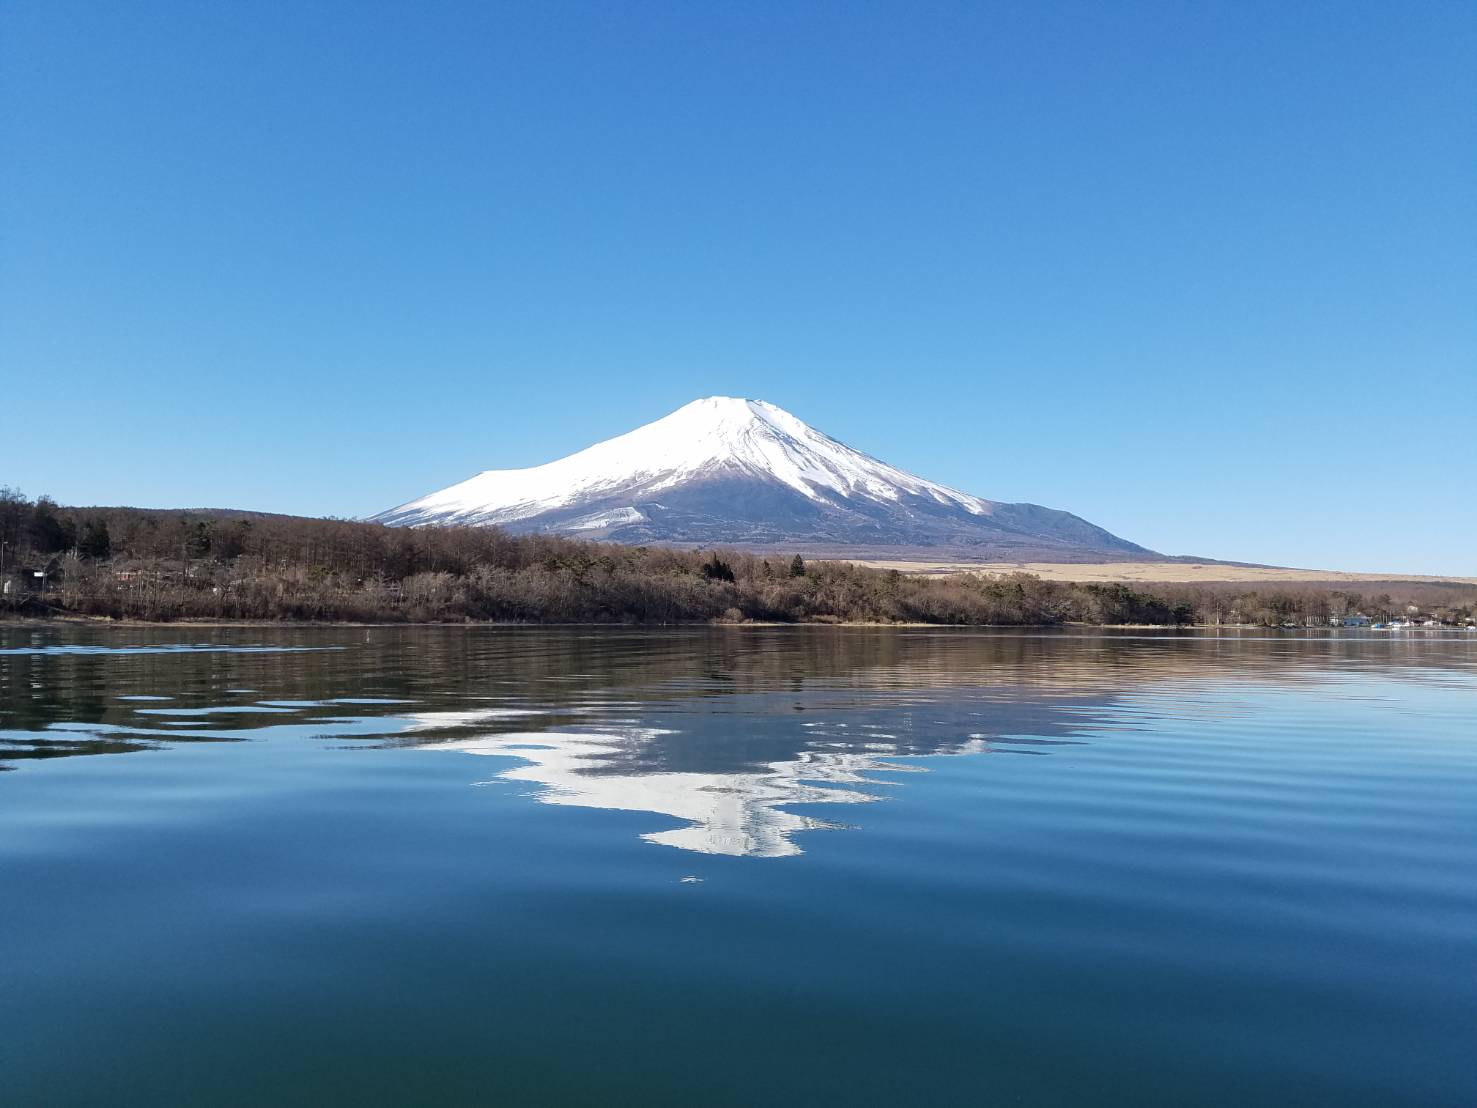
[1205, 274]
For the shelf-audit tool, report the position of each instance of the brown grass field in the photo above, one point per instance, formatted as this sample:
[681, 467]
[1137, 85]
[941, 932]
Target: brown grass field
[1161, 572]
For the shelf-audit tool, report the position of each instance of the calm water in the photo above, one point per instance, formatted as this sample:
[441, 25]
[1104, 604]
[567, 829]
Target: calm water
[737, 866]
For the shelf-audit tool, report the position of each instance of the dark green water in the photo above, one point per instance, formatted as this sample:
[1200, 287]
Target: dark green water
[737, 866]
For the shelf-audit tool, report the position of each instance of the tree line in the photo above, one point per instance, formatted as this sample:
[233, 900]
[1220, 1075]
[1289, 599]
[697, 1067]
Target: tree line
[132, 563]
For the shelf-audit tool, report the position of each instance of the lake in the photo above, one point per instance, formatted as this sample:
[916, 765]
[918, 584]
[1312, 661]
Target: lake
[730, 866]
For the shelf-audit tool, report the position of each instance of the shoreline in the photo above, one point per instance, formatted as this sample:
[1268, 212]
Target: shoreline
[221, 624]
[106, 621]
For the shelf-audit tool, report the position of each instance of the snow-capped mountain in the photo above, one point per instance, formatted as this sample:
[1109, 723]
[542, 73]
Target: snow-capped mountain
[724, 470]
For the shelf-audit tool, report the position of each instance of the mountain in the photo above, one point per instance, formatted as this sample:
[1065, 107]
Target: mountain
[744, 472]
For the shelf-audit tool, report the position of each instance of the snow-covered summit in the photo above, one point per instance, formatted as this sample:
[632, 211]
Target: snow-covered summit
[716, 435]
[731, 470]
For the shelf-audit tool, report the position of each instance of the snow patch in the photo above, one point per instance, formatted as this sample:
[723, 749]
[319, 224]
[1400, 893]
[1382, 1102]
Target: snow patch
[604, 519]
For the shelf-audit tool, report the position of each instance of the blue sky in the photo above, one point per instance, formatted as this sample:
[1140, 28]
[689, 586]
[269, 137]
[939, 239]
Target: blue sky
[1203, 273]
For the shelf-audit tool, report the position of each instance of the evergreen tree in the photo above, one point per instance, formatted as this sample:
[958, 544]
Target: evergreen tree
[716, 569]
[95, 541]
[47, 533]
[797, 566]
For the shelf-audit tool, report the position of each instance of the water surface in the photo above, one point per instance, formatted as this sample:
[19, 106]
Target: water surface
[736, 866]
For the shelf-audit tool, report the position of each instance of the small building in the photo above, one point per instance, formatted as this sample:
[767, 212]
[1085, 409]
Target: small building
[41, 575]
[1348, 621]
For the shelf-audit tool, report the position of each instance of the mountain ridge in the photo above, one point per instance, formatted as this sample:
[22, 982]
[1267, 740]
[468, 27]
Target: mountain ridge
[726, 469]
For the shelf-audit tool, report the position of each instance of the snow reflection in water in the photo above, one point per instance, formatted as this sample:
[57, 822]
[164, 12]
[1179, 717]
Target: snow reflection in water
[727, 813]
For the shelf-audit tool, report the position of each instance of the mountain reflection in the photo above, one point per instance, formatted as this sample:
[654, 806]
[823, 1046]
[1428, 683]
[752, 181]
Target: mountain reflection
[737, 813]
[730, 734]
[734, 769]
[727, 813]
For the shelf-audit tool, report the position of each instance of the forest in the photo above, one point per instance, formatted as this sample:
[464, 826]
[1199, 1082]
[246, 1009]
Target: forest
[162, 565]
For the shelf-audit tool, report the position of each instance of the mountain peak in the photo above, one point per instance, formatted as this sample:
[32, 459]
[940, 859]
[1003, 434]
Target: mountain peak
[720, 403]
[729, 469]
[734, 411]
